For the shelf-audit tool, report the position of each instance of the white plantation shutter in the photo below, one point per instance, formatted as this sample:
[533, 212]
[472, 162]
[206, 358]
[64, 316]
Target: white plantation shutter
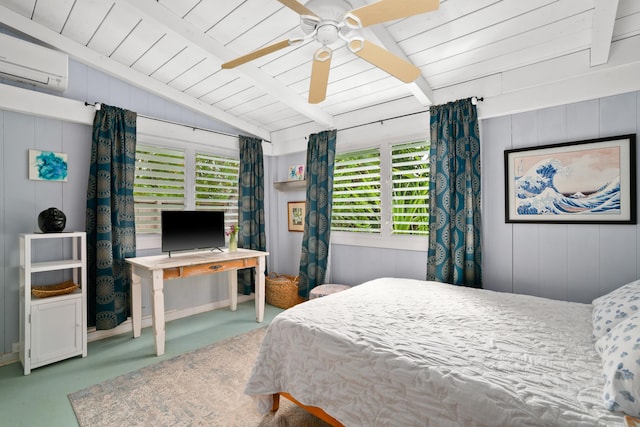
[217, 185]
[159, 185]
[410, 188]
[356, 192]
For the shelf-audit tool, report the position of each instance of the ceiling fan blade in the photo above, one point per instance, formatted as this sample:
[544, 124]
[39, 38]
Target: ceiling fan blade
[384, 59]
[388, 10]
[256, 54]
[297, 7]
[320, 75]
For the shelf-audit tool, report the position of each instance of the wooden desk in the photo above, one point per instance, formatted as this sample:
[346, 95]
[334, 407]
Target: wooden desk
[162, 267]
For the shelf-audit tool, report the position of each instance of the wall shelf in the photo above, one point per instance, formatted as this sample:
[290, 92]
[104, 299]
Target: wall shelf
[290, 185]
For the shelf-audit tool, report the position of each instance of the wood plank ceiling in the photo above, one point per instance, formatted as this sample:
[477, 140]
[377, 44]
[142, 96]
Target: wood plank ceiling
[175, 48]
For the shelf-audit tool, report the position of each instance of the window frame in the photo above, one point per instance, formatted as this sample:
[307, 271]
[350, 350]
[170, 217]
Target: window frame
[355, 189]
[385, 239]
[228, 207]
[178, 202]
[203, 141]
[405, 184]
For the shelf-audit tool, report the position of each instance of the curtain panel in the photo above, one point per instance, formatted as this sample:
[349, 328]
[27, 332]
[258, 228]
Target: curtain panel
[250, 205]
[455, 252]
[110, 222]
[321, 153]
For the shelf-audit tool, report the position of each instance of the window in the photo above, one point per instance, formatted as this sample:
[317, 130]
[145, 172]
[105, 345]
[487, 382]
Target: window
[159, 184]
[166, 180]
[410, 188]
[356, 192]
[217, 185]
[382, 192]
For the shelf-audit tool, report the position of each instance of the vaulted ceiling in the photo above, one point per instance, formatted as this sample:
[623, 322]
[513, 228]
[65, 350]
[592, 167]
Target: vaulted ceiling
[175, 48]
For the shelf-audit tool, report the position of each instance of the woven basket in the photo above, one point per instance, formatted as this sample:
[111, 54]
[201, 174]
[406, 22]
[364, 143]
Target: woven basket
[282, 290]
[62, 288]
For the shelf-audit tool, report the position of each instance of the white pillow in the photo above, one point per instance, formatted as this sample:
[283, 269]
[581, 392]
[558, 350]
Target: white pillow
[614, 307]
[621, 367]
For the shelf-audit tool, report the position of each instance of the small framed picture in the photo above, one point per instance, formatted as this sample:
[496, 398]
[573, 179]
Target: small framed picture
[296, 173]
[296, 216]
[47, 166]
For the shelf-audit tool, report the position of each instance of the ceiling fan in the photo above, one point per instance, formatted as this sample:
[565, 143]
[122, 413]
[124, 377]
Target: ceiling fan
[326, 21]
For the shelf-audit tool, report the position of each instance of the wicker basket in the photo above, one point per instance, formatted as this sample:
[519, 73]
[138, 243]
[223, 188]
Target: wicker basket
[62, 288]
[282, 290]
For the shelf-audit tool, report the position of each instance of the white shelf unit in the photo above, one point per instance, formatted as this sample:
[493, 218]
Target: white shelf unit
[52, 328]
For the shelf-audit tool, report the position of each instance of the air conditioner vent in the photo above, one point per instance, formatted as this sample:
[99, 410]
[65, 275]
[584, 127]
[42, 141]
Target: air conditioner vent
[29, 63]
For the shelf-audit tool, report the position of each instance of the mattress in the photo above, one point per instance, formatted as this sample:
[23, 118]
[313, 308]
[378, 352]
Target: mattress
[401, 352]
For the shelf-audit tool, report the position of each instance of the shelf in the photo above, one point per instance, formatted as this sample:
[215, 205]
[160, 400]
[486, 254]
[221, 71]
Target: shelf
[38, 267]
[38, 236]
[52, 328]
[290, 185]
[48, 300]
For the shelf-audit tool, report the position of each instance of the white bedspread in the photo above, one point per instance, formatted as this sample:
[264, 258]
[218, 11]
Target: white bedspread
[399, 352]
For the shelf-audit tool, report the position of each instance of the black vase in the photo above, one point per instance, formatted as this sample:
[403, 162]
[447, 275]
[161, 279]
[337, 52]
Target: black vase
[52, 220]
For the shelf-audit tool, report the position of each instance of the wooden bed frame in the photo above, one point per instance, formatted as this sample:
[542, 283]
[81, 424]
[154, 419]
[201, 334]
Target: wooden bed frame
[314, 410]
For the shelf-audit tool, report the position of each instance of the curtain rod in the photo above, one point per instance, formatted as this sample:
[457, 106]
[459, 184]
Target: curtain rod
[381, 121]
[474, 101]
[97, 106]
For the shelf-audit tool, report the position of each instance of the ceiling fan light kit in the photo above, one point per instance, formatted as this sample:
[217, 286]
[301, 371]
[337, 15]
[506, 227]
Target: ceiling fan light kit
[327, 34]
[326, 21]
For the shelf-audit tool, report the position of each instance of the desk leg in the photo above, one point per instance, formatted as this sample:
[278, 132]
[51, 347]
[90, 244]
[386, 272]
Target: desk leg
[157, 305]
[136, 302]
[259, 295]
[232, 279]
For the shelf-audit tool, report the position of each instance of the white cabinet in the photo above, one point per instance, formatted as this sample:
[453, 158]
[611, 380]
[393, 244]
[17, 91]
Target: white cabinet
[53, 328]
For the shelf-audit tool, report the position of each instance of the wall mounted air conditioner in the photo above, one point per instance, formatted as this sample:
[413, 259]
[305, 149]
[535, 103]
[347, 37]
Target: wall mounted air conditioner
[29, 63]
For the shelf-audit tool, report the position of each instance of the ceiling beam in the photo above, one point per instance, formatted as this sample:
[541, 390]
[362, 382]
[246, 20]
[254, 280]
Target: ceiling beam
[109, 66]
[381, 36]
[152, 10]
[604, 19]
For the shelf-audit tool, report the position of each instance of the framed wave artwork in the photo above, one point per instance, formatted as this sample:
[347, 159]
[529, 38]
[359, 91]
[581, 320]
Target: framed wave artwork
[581, 182]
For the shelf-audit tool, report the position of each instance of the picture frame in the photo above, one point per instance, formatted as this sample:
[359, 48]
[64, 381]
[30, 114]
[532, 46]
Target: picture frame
[582, 182]
[296, 215]
[48, 166]
[296, 173]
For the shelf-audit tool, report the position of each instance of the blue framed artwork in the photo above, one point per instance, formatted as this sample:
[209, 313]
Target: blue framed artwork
[581, 182]
[47, 166]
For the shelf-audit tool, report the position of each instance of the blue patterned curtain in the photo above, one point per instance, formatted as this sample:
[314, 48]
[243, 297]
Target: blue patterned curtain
[110, 221]
[250, 205]
[455, 254]
[321, 153]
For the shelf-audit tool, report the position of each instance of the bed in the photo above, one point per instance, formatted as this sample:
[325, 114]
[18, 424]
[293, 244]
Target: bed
[401, 352]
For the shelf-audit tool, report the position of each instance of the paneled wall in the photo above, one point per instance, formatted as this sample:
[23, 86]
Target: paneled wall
[568, 262]
[21, 199]
[284, 246]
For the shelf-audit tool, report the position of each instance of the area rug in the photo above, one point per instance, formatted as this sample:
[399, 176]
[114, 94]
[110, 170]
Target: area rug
[200, 388]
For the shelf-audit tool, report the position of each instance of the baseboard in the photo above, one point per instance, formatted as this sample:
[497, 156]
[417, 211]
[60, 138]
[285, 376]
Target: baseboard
[7, 358]
[126, 327]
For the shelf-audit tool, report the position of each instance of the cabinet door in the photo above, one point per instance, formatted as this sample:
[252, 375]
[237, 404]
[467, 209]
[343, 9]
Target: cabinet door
[56, 331]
